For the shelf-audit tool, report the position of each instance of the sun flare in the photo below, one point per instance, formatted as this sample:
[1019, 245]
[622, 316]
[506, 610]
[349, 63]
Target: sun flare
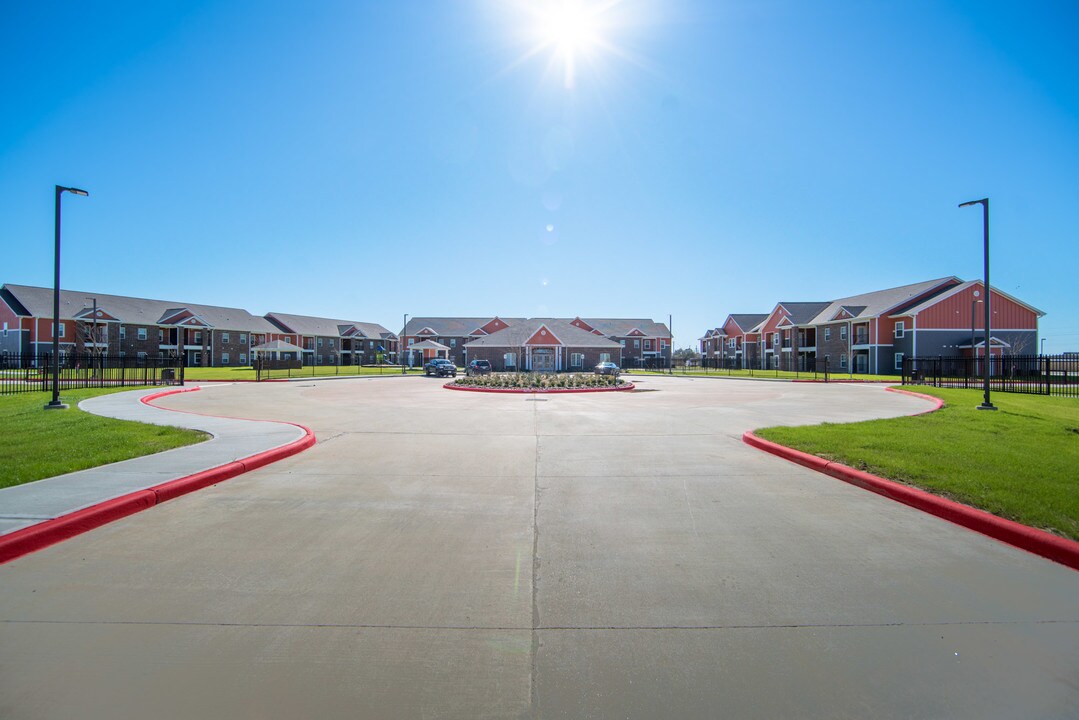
[570, 29]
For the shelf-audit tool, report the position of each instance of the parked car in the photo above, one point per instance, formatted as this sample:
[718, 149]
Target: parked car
[440, 367]
[607, 368]
[478, 367]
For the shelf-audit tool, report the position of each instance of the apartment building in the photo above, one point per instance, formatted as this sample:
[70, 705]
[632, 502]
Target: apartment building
[337, 342]
[873, 332]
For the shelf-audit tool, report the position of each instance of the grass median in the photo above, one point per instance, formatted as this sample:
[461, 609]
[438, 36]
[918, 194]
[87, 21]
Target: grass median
[244, 374]
[1018, 462]
[38, 443]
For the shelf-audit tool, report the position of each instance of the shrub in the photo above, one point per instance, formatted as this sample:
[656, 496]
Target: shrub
[539, 381]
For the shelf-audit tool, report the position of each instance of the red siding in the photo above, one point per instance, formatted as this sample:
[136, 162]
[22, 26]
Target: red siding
[954, 312]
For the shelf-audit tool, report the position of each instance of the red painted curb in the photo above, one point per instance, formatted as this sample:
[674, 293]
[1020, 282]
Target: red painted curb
[49, 532]
[529, 391]
[1039, 542]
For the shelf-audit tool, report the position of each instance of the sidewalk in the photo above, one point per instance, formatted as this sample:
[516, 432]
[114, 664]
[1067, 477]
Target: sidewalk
[236, 446]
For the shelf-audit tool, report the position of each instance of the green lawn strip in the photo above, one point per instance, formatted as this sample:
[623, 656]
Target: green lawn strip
[230, 374]
[1019, 462]
[769, 375]
[37, 443]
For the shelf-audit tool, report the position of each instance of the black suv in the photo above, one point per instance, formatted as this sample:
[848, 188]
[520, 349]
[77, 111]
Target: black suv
[479, 367]
[440, 367]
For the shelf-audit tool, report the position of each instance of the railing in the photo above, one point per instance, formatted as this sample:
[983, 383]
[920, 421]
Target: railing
[20, 373]
[793, 367]
[1029, 374]
[861, 338]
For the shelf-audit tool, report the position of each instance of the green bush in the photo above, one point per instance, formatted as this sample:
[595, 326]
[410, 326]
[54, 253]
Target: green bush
[539, 381]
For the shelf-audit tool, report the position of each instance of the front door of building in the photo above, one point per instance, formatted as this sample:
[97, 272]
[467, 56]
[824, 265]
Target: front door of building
[543, 360]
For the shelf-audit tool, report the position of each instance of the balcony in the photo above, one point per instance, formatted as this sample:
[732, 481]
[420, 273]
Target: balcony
[861, 338]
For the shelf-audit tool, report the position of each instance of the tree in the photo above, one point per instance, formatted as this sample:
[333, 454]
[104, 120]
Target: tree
[686, 354]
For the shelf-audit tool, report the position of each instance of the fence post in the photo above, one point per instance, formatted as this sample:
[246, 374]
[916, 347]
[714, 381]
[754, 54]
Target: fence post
[1045, 358]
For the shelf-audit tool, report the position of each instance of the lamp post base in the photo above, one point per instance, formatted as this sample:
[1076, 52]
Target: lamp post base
[987, 406]
[56, 405]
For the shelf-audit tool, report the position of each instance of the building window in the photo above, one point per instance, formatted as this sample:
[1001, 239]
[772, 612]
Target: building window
[576, 360]
[331, 342]
[827, 334]
[508, 360]
[243, 358]
[843, 360]
[198, 359]
[622, 342]
[224, 337]
[647, 344]
[320, 342]
[730, 343]
[141, 356]
[224, 358]
[5, 329]
[636, 343]
[198, 337]
[604, 357]
[160, 336]
[842, 332]
[410, 341]
[899, 361]
[54, 330]
[243, 338]
[141, 333]
[453, 342]
[123, 333]
[900, 329]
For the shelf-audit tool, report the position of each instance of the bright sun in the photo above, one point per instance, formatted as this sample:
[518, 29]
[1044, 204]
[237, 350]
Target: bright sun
[570, 28]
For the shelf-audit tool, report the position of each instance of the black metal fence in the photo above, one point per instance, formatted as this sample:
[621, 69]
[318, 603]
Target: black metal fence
[20, 373]
[269, 369]
[807, 368]
[1030, 374]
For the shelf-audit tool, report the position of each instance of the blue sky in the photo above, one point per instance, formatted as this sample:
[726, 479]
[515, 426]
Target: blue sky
[362, 160]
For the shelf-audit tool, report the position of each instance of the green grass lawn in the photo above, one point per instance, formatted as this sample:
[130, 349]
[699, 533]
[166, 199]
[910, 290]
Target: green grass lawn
[227, 374]
[1020, 462]
[37, 443]
[767, 374]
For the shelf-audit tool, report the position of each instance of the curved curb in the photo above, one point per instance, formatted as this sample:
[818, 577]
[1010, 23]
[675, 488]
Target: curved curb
[544, 391]
[49, 532]
[1039, 542]
[847, 382]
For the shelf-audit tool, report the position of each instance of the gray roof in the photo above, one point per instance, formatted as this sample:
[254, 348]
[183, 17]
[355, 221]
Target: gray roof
[518, 334]
[37, 301]
[748, 321]
[621, 327]
[880, 302]
[277, 346]
[428, 345]
[801, 313]
[452, 326]
[308, 325]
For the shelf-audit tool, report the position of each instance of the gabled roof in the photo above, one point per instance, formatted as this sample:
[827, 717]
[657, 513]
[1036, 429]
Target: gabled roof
[882, 302]
[37, 302]
[801, 313]
[327, 327]
[519, 334]
[621, 327]
[958, 289]
[452, 326]
[747, 321]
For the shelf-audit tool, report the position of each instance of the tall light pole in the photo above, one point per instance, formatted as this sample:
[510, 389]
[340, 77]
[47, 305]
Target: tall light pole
[973, 348]
[55, 404]
[984, 202]
[401, 346]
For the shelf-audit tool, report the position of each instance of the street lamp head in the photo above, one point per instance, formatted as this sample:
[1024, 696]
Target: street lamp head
[73, 191]
[983, 201]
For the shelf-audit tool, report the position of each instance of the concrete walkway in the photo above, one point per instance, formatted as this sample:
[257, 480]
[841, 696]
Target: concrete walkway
[465, 555]
[233, 439]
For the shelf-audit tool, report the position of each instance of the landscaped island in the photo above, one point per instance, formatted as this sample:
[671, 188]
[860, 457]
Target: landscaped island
[540, 382]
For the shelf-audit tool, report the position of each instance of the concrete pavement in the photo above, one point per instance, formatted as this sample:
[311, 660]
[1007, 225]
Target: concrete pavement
[444, 554]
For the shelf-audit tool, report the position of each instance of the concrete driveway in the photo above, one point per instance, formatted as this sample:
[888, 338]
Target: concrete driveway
[464, 555]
